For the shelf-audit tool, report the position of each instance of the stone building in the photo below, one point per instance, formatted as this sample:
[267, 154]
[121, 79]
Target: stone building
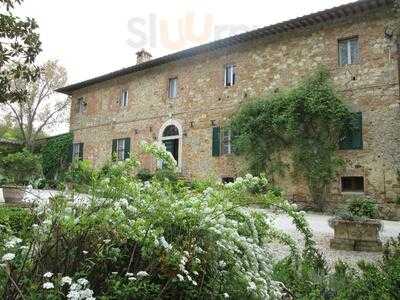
[184, 99]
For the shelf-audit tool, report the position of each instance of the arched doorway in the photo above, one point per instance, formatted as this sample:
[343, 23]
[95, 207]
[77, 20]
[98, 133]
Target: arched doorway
[171, 137]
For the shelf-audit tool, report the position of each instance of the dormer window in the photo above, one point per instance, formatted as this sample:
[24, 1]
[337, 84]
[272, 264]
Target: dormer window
[230, 75]
[81, 105]
[124, 98]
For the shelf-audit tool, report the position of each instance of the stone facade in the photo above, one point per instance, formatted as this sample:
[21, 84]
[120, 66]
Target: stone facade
[262, 66]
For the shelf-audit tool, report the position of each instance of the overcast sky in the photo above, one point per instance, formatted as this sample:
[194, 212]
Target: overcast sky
[94, 37]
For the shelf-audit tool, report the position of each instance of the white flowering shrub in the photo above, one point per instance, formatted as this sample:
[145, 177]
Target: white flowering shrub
[127, 239]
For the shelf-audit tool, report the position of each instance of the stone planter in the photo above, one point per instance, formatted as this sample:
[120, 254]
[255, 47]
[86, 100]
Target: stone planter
[13, 194]
[356, 235]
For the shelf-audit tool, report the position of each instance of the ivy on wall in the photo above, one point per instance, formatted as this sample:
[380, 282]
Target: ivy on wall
[304, 122]
[56, 155]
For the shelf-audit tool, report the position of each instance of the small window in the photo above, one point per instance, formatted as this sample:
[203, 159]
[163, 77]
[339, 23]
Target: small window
[77, 151]
[349, 52]
[226, 146]
[173, 88]
[228, 179]
[353, 184]
[81, 105]
[230, 75]
[124, 98]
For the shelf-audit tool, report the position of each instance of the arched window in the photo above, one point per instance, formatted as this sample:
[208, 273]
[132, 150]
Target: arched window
[170, 130]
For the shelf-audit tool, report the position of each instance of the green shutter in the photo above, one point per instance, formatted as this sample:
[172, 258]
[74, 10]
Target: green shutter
[127, 148]
[216, 145]
[80, 151]
[114, 149]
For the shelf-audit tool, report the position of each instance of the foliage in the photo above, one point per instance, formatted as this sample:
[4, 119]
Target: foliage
[15, 219]
[128, 239]
[19, 46]
[357, 209]
[362, 207]
[305, 122]
[21, 167]
[55, 156]
[310, 280]
[41, 109]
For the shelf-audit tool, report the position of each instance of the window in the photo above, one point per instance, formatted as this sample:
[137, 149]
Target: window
[352, 137]
[230, 75]
[226, 147]
[121, 148]
[222, 142]
[228, 179]
[353, 184]
[349, 52]
[81, 105]
[173, 88]
[77, 151]
[124, 98]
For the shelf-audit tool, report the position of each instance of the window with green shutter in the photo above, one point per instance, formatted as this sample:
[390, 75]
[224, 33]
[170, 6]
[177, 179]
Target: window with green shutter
[216, 144]
[121, 148]
[352, 138]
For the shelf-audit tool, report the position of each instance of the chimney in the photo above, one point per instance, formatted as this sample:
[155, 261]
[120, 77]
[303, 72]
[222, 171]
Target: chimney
[142, 56]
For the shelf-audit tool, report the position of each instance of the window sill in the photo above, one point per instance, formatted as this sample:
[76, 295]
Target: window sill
[348, 65]
[358, 149]
[353, 193]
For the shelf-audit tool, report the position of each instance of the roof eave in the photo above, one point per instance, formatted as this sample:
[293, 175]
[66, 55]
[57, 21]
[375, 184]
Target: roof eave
[339, 12]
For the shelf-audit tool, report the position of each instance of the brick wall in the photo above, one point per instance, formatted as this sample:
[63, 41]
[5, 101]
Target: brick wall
[262, 66]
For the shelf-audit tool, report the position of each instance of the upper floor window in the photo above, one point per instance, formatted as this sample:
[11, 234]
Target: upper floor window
[77, 151]
[349, 52]
[173, 88]
[81, 105]
[124, 98]
[230, 75]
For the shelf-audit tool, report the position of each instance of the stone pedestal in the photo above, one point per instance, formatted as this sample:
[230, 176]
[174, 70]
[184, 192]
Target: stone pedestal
[356, 235]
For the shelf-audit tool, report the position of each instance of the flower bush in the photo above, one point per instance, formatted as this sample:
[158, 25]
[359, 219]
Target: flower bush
[128, 239]
[20, 168]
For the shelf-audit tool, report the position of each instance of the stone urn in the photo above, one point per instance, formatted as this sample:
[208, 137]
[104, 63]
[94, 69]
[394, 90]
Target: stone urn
[13, 194]
[353, 235]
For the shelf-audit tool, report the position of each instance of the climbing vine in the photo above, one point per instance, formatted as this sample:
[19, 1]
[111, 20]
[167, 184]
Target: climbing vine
[55, 155]
[303, 123]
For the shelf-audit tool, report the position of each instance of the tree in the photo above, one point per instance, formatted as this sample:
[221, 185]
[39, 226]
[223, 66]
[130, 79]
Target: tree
[41, 109]
[19, 46]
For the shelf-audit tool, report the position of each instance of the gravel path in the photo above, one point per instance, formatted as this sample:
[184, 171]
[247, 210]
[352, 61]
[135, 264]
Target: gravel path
[323, 233]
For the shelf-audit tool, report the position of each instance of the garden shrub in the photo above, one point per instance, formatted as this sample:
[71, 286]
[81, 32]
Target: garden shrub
[128, 239]
[308, 279]
[16, 219]
[56, 156]
[362, 207]
[21, 167]
[357, 208]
